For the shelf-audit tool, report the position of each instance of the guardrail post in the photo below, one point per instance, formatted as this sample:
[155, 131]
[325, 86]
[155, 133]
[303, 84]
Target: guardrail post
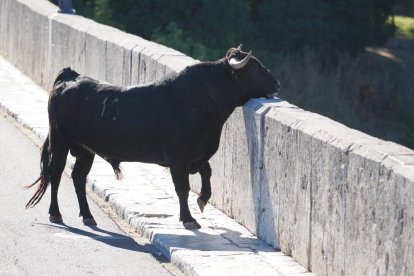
[65, 6]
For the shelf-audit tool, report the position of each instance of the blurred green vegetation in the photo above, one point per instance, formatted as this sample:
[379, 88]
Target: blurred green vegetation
[404, 26]
[205, 29]
[404, 7]
[405, 124]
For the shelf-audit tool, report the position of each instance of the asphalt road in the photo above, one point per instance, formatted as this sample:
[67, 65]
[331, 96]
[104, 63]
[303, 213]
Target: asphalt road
[31, 245]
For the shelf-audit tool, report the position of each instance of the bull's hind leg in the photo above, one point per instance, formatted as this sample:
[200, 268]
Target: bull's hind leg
[205, 173]
[83, 165]
[58, 161]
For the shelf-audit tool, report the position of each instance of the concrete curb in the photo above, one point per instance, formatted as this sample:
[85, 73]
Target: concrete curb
[146, 199]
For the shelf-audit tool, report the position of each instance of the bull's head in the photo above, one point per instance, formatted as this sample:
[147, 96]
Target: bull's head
[239, 64]
[252, 74]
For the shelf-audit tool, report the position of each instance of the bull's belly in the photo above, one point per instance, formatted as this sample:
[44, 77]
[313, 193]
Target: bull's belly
[143, 145]
[133, 155]
[124, 149]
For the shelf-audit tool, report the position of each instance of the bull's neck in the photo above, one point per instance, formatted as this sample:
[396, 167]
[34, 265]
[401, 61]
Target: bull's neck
[218, 91]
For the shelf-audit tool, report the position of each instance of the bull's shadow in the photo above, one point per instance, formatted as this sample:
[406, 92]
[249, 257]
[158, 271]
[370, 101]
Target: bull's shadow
[220, 239]
[101, 235]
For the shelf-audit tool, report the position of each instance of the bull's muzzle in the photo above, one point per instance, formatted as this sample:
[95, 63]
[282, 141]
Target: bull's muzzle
[274, 93]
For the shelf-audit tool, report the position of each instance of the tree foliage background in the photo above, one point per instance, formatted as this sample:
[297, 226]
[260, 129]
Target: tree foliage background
[204, 29]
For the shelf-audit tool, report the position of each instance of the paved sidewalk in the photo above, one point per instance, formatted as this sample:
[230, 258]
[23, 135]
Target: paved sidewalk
[146, 199]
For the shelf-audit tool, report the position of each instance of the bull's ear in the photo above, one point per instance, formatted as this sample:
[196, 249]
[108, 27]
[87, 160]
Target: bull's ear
[230, 53]
[233, 51]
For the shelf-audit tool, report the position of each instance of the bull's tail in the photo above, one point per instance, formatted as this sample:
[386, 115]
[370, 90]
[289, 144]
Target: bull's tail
[45, 174]
[65, 75]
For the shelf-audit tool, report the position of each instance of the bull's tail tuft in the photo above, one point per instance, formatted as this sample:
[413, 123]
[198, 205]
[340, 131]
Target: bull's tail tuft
[45, 173]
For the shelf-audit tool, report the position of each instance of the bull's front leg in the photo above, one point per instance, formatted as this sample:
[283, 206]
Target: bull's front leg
[180, 176]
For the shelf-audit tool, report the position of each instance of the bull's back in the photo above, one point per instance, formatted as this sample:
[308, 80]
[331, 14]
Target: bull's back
[110, 121]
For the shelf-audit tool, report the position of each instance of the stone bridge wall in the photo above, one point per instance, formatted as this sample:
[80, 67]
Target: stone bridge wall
[337, 200]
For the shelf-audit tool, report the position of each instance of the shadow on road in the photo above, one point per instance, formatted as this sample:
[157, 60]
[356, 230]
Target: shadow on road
[101, 235]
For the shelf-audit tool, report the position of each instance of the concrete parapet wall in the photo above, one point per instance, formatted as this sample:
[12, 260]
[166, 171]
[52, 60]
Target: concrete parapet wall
[337, 200]
[40, 42]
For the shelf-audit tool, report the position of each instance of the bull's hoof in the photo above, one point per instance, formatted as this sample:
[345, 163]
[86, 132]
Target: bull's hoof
[89, 221]
[201, 204]
[191, 225]
[56, 219]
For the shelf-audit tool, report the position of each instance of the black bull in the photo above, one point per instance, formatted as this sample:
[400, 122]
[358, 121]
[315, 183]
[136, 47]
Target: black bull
[175, 122]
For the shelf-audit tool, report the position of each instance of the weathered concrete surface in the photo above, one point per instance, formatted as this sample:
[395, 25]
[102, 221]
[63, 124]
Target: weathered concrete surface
[355, 192]
[337, 200]
[24, 36]
[41, 42]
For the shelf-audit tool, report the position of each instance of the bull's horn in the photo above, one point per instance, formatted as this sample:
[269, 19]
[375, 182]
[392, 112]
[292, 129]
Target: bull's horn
[235, 64]
[240, 46]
